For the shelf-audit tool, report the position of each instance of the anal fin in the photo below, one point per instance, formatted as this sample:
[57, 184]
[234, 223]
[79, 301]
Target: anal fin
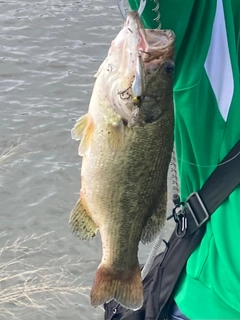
[81, 223]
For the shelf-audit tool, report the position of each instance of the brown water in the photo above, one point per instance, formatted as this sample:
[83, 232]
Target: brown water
[49, 52]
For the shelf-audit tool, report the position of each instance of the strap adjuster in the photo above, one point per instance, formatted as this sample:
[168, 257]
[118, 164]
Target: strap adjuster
[197, 209]
[179, 215]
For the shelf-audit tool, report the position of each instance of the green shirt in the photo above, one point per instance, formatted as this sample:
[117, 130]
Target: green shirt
[207, 125]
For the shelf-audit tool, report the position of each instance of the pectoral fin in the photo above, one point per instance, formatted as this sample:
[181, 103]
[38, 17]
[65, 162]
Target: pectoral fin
[81, 223]
[116, 136]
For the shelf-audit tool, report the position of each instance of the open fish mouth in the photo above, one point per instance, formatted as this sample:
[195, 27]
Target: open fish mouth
[159, 44]
[152, 43]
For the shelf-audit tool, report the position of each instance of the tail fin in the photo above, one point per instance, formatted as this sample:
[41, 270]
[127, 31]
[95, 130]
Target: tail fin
[125, 288]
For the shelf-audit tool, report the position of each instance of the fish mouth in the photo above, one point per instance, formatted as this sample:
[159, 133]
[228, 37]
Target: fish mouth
[152, 43]
[159, 44]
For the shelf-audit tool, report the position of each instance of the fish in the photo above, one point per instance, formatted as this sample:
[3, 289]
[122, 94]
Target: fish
[126, 141]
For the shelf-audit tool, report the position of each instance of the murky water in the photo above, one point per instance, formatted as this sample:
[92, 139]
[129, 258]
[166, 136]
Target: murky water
[49, 52]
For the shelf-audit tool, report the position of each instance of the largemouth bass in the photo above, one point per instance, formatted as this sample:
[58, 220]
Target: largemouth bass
[126, 144]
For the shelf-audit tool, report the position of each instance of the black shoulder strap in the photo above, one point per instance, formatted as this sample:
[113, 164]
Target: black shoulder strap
[199, 206]
[224, 179]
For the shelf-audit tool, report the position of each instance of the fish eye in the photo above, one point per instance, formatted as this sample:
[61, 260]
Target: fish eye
[169, 67]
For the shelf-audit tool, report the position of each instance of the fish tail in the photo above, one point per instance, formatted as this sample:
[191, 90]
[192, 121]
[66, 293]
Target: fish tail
[124, 287]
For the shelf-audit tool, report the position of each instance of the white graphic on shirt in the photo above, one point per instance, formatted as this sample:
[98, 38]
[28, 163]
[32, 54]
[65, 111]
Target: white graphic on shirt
[218, 63]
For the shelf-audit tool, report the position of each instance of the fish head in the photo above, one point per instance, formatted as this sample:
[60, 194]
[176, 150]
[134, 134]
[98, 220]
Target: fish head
[137, 73]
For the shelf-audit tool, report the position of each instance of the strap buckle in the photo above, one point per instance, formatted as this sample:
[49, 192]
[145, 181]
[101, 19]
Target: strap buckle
[179, 216]
[197, 209]
[190, 215]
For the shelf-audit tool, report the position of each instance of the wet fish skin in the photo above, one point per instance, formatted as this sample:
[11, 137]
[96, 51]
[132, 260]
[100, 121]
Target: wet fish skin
[124, 166]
